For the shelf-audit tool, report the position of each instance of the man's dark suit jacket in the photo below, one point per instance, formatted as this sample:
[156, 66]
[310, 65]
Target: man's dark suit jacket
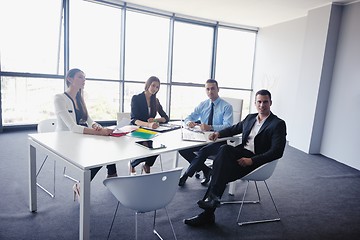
[140, 111]
[269, 142]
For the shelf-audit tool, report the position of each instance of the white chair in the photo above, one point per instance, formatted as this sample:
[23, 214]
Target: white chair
[49, 125]
[237, 105]
[262, 173]
[145, 193]
[122, 119]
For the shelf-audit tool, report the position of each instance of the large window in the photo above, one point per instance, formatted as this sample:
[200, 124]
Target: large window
[146, 52]
[95, 39]
[30, 42]
[192, 53]
[30, 36]
[235, 57]
[117, 57]
[185, 99]
[28, 100]
[102, 99]
[132, 89]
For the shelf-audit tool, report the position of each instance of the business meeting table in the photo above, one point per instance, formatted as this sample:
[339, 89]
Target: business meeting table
[83, 152]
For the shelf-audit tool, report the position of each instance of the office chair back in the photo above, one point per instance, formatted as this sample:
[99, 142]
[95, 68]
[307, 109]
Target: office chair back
[47, 125]
[237, 105]
[145, 193]
[123, 118]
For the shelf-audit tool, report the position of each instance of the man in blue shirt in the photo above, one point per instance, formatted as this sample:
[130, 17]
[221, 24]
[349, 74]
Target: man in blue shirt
[213, 114]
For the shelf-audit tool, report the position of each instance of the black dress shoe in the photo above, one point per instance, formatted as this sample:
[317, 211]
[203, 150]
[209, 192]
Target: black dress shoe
[209, 203]
[207, 177]
[200, 220]
[183, 180]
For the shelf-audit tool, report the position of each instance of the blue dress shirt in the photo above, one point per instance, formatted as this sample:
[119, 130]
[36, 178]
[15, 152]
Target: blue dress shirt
[223, 114]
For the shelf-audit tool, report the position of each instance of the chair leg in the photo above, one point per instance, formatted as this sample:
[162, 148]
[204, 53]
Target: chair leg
[272, 199]
[69, 177]
[161, 165]
[172, 228]
[258, 221]
[112, 222]
[243, 201]
[154, 227]
[54, 176]
[136, 225]
[232, 187]
[52, 195]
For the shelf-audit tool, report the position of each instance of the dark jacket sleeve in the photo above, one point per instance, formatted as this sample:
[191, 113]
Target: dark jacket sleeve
[270, 143]
[239, 127]
[161, 111]
[139, 110]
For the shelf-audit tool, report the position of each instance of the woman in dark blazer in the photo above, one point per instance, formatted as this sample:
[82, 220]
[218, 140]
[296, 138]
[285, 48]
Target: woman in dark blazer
[144, 108]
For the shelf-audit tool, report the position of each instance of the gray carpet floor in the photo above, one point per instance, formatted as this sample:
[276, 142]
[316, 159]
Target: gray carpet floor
[317, 197]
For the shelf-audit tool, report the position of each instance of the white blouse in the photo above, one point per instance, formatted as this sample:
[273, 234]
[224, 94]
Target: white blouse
[65, 114]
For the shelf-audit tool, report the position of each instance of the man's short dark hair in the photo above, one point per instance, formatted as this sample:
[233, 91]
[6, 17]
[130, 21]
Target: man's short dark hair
[263, 92]
[213, 81]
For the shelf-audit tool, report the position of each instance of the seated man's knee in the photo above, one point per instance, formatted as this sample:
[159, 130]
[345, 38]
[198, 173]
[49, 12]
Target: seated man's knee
[225, 148]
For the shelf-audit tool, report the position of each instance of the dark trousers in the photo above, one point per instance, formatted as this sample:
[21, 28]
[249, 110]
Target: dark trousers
[226, 169]
[197, 161]
[111, 169]
[148, 161]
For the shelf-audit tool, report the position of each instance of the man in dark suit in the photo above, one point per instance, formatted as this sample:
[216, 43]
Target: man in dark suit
[263, 140]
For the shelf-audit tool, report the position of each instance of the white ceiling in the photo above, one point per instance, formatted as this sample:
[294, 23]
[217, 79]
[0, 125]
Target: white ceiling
[253, 13]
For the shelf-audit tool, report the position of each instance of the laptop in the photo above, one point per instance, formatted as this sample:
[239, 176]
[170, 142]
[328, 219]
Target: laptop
[188, 134]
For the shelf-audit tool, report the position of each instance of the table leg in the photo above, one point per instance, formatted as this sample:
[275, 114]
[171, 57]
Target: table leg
[84, 225]
[176, 159]
[32, 179]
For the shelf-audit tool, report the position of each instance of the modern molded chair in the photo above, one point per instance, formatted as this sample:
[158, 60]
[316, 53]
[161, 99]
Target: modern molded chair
[145, 193]
[123, 118]
[49, 125]
[262, 173]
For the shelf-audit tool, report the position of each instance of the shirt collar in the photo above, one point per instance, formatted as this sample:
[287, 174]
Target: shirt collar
[215, 102]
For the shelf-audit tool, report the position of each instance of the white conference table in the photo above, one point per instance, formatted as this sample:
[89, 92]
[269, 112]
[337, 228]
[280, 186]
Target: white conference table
[83, 152]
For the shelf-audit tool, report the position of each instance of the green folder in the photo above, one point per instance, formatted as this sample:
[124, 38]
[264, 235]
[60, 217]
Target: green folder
[143, 135]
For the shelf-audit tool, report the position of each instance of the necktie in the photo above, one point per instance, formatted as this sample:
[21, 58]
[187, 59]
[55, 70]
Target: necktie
[211, 115]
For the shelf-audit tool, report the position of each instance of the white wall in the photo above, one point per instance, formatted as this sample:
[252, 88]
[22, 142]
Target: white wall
[342, 129]
[277, 67]
[313, 88]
